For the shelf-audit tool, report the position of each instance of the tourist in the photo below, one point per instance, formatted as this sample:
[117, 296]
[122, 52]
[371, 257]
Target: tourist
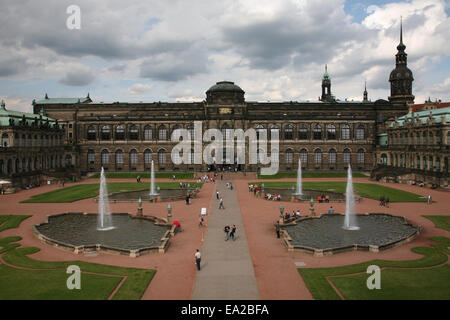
[198, 257]
[188, 199]
[387, 202]
[173, 177]
[297, 214]
[429, 199]
[277, 228]
[221, 204]
[227, 232]
[231, 186]
[331, 210]
[250, 188]
[382, 199]
[319, 199]
[233, 233]
[200, 221]
[217, 195]
[327, 199]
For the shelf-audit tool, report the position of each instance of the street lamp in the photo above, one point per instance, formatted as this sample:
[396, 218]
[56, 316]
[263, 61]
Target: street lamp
[169, 212]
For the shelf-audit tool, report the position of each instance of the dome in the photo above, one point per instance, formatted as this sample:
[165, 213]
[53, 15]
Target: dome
[225, 86]
[401, 74]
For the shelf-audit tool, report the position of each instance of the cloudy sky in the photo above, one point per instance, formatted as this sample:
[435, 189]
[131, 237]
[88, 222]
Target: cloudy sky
[174, 50]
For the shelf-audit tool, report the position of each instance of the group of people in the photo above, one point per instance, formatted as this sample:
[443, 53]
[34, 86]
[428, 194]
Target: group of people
[323, 198]
[229, 185]
[384, 202]
[230, 232]
[207, 178]
[275, 197]
[295, 214]
[255, 189]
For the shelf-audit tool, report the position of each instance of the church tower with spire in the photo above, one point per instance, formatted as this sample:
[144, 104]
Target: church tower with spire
[365, 94]
[326, 87]
[401, 77]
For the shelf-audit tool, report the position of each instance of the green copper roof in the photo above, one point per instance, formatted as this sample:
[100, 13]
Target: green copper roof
[436, 115]
[64, 100]
[326, 75]
[17, 117]
[225, 86]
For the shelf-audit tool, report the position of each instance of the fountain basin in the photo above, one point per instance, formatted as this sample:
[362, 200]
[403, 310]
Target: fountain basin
[164, 195]
[132, 236]
[325, 235]
[287, 194]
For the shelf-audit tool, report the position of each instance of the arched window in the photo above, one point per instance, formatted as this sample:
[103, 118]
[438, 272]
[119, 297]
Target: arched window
[260, 132]
[417, 138]
[106, 133]
[29, 141]
[148, 156]
[345, 132]
[24, 141]
[317, 133]
[438, 137]
[148, 133]
[360, 156]
[418, 162]
[346, 156]
[384, 159]
[9, 167]
[16, 140]
[91, 133]
[424, 163]
[431, 163]
[35, 142]
[5, 140]
[162, 133]
[318, 156]
[105, 157]
[332, 156]
[134, 132]
[119, 157]
[424, 138]
[274, 131]
[331, 132]
[133, 157]
[120, 132]
[91, 157]
[288, 132]
[438, 164]
[289, 156]
[431, 138]
[303, 132]
[162, 156]
[304, 156]
[68, 160]
[226, 132]
[360, 132]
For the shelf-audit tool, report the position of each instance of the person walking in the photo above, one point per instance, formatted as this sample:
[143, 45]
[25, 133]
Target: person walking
[227, 232]
[233, 232]
[200, 222]
[277, 228]
[221, 204]
[217, 195]
[387, 202]
[198, 258]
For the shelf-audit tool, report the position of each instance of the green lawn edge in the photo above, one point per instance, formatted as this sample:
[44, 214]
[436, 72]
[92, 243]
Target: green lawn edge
[282, 175]
[145, 175]
[11, 221]
[441, 222]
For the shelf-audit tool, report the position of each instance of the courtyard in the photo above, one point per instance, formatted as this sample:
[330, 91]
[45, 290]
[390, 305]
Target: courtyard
[257, 265]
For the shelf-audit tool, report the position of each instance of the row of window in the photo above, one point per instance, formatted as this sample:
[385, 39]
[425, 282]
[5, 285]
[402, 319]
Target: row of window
[32, 141]
[304, 133]
[162, 156]
[419, 162]
[420, 138]
[28, 165]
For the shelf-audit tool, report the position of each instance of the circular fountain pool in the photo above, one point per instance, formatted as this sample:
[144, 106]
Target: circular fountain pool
[325, 235]
[78, 232]
[164, 194]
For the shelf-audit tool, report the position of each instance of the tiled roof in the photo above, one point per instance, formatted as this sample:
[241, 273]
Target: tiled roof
[424, 115]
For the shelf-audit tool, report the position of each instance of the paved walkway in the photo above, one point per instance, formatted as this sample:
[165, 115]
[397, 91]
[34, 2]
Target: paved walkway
[226, 269]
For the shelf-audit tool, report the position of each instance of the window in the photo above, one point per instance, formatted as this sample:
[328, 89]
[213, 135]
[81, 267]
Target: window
[68, 161]
[431, 138]
[91, 133]
[226, 132]
[24, 141]
[332, 156]
[133, 157]
[190, 128]
[29, 141]
[105, 157]
[148, 133]
[289, 156]
[260, 156]
[346, 156]
[134, 132]
[418, 162]
[438, 164]
[345, 132]
[331, 132]
[424, 163]
[424, 138]
[260, 131]
[360, 133]
[91, 156]
[418, 138]
[16, 140]
[120, 132]
[162, 133]
[360, 156]
[318, 132]
[119, 157]
[5, 140]
[289, 132]
[274, 131]
[147, 156]
[438, 137]
[304, 156]
[318, 156]
[303, 132]
[162, 156]
[106, 133]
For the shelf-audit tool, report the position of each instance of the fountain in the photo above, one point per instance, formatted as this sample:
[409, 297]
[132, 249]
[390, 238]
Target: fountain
[299, 191]
[104, 221]
[350, 218]
[152, 182]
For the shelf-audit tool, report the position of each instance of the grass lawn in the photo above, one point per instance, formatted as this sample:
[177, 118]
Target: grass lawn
[281, 175]
[134, 175]
[85, 191]
[51, 284]
[395, 283]
[366, 190]
[10, 221]
[442, 222]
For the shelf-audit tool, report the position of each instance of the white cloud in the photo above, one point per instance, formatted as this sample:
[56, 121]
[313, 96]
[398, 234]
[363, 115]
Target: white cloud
[139, 88]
